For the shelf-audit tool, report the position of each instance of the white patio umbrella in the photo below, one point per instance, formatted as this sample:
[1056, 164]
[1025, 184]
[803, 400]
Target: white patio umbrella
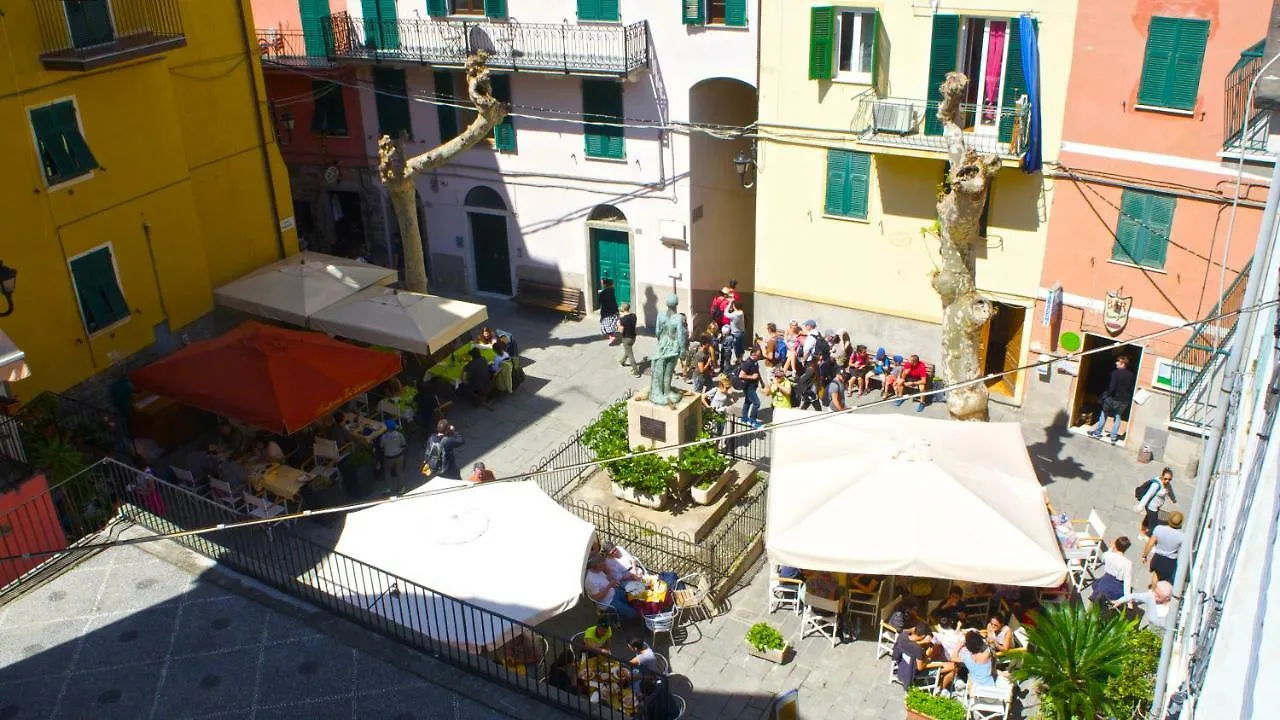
[400, 319]
[895, 495]
[295, 288]
[504, 547]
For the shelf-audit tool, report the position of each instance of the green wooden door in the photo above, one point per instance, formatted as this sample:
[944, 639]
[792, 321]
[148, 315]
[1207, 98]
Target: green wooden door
[313, 14]
[611, 258]
[89, 22]
[491, 253]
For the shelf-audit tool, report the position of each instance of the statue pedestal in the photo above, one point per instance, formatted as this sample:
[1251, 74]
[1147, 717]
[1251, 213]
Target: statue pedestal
[651, 426]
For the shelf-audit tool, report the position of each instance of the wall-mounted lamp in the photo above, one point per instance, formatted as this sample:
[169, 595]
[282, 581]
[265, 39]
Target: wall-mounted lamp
[8, 283]
[284, 129]
[745, 165]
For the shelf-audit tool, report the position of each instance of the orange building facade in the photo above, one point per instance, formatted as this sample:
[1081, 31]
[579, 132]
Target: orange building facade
[1145, 213]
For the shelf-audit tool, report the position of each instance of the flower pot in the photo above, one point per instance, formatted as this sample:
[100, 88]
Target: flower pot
[913, 715]
[653, 502]
[709, 494]
[778, 656]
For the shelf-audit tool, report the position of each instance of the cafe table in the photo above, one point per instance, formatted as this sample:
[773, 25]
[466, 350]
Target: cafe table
[364, 429]
[283, 481]
[450, 369]
[652, 598]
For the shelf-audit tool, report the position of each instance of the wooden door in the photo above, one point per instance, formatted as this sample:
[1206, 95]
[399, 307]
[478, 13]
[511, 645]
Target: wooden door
[491, 253]
[611, 258]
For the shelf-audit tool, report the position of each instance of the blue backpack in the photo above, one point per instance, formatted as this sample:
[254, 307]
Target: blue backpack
[779, 350]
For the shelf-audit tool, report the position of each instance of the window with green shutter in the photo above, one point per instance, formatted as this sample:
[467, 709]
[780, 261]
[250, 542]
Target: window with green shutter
[822, 33]
[944, 53]
[602, 102]
[602, 10]
[504, 134]
[446, 115]
[1142, 231]
[329, 116]
[848, 184]
[89, 22]
[496, 9]
[381, 26]
[437, 8]
[64, 154]
[730, 13]
[391, 100]
[1172, 63]
[691, 12]
[98, 290]
[313, 14]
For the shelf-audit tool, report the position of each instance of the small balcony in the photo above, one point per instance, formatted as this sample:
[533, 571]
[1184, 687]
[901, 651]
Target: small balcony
[1241, 136]
[290, 47]
[905, 126]
[86, 34]
[587, 50]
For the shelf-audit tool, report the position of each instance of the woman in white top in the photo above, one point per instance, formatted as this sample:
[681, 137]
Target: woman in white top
[1158, 491]
[1117, 573]
[1157, 610]
[1163, 547]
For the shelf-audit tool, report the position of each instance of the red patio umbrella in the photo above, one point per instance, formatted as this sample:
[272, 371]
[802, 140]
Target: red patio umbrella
[271, 378]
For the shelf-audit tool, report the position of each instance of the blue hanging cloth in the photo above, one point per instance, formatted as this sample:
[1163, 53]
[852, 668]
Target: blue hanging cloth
[1032, 160]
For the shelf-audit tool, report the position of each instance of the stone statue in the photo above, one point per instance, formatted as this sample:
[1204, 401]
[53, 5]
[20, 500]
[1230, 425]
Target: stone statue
[673, 340]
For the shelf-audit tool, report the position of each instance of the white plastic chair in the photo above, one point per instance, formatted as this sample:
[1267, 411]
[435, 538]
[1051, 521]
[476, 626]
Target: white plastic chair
[821, 615]
[1091, 538]
[858, 604]
[185, 476]
[785, 593]
[988, 702]
[224, 495]
[661, 622]
[262, 508]
[887, 635]
[325, 456]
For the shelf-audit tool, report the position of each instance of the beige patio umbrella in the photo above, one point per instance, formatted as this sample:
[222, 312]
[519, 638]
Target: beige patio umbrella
[400, 319]
[297, 287]
[888, 494]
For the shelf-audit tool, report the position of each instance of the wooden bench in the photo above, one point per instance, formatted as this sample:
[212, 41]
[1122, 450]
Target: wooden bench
[552, 297]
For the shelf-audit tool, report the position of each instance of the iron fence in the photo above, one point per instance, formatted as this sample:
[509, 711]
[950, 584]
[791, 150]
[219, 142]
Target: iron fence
[292, 47]
[1199, 360]
[85, 33]
[487, 644]
[60, 435]
[1237, 134]
[753, 447]
[905, 122]
[514, 46]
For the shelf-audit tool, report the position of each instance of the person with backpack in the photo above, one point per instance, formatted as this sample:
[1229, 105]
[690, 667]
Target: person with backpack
[1151, 496]
[440, 460]
[725, 350]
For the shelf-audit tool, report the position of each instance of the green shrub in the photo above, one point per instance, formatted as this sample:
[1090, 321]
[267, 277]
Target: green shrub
[57, 456]
[645, 474]
[935, 706]
[1077, 653]
[712, 421]
[1132, 689]
[702, 462]
[606, 437]
[764, 637]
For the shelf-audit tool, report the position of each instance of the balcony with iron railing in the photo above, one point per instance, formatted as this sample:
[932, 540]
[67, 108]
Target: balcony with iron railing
[909, 126]
[1241, 135]
[85, 34]
[291, 47]
[1195, 369]
[569, 49]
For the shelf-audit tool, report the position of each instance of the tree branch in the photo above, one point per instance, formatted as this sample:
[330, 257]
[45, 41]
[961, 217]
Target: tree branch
[489, 113]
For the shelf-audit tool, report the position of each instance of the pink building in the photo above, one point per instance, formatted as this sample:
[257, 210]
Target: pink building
[1144, 202]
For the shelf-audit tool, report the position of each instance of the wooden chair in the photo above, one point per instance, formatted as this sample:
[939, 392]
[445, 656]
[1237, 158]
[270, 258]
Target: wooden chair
[821, 615]
[691, 600]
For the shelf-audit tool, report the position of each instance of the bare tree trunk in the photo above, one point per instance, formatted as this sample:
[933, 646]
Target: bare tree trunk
[398, 172]
[964, 310]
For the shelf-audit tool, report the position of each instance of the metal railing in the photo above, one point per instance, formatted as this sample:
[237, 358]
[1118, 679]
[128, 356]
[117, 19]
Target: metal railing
[448, 628]
[907, 123]
[289, 47]
[52, 425]
[1198, 362]
[81, 34]
[1236, 103]
[517, 47]
[754, 447]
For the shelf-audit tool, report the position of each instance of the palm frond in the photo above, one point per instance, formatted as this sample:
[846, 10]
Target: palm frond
[1077, 651]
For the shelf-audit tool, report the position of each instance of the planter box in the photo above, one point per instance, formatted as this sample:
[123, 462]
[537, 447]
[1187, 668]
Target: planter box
[653, 502]
[708, 495]
[775, 656]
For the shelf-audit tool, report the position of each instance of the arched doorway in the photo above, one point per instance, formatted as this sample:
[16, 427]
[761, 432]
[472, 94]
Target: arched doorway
[490, 251]
[609, 240]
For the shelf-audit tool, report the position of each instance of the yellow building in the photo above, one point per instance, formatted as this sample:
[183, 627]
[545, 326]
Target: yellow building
[139, 171]
[851, 156]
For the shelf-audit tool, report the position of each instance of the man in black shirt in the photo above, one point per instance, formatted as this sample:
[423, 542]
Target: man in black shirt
[749, 374]
[627, 325]
[1115, 401]
[477, 381]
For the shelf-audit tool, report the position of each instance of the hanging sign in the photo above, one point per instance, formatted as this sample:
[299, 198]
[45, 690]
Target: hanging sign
[1115, 312]
[1052, 305]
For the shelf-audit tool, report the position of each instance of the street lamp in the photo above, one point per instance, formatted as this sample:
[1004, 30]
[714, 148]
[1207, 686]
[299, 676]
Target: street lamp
[743, 163]
[8, 283]
[286, 123]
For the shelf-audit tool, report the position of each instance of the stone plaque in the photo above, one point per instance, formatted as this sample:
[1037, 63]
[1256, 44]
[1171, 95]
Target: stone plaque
[653, 429]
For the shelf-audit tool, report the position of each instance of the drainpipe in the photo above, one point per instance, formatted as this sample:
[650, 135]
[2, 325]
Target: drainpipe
[1228, 397]
[259, 97]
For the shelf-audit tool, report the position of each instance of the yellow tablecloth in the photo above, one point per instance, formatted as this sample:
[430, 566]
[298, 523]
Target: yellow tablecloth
[280, 480]
[655, 591]
[451, 368]
[365, 429]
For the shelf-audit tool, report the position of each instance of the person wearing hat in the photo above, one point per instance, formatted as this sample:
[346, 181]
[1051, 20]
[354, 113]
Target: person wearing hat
[718, 304]
[392, 446]
[480, 474]
[1163, 547]
[811, 338]
[1157, 610]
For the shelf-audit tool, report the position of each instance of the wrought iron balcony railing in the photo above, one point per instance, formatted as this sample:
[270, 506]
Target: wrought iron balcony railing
[909, 124]
[291, 47]
[85, 34]
[1237, 134]
[1197, 366]
[597, 50]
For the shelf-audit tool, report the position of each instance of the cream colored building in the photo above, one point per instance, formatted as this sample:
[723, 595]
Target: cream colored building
[850, 159]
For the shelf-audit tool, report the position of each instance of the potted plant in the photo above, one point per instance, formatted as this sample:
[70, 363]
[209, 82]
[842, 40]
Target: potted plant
[357, 471]
[704, 470]
[922, 705]
[642, 479]
[1079, 654]
[764, 641]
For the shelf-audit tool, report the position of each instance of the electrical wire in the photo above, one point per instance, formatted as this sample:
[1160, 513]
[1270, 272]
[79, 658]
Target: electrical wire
[820, 417]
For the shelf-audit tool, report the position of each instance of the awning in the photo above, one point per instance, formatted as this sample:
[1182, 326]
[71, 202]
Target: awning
[895, 495]
[506, 548]
[297, 287]
[13, 361]
[404, 320]
[268, 377]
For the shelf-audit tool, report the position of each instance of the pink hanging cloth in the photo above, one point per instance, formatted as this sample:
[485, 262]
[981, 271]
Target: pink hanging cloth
[994, 70]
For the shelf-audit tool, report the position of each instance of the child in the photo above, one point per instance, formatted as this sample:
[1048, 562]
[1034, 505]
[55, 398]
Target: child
[721, 396]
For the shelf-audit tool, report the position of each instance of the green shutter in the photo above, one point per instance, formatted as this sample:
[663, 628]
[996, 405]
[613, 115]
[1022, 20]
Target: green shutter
[1133, 213]
[608, 10]
[1143, 229]
[1159, 226]
[381, 28]
[944, 52]
[504, 135]
[1188, 61]
[313, 14]
[496, 9]
[822, 33]
[602, 101]
[598, 10]
[437, 8]
[89, 22]
[1157, 63]
[692, 12]
[446, 115]
[391, 102]
[859, 184]
[53, 152]
[735, 13]
[880, 57]
[838, 169]
[1015, 82]
[101, 300]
